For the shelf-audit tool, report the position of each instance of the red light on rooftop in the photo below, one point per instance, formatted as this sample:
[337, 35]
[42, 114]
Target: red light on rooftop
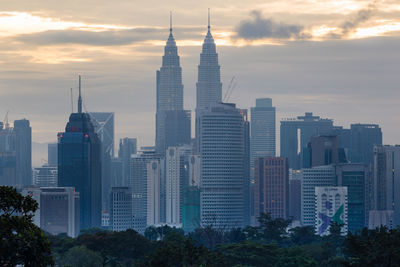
[86, 135]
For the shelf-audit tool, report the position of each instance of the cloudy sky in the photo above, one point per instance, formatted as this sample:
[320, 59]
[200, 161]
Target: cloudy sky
[337, 58]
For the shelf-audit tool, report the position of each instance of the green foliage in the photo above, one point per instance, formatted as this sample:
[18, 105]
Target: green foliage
[22, 242]
[80, 256]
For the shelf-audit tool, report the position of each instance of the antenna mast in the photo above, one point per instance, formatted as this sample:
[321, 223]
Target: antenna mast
[72, 101]
[79, 98]
[209, 23]
[170, 21]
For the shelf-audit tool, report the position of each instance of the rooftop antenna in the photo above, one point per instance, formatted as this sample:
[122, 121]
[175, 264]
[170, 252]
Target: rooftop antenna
[209, 19]
[72, 101]
[170, 21]
[79, 98]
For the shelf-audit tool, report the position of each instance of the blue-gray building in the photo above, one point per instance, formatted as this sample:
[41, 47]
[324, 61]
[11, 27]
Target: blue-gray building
[169, 94]
[262, 130]
[356, 177]
[79, 165]
[296, 134]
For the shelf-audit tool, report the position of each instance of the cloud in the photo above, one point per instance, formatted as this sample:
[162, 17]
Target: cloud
[100, 38]
[351, 24]
[112, 37]
[259, 28]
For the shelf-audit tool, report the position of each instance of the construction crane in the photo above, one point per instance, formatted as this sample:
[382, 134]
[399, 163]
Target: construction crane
[231, 86]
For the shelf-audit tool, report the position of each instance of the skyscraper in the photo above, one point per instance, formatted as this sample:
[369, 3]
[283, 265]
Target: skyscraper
[296, 133]
[221, 145]
[127, 148]
[176, 182]
[363, 139]
[103, 123]
[79, 164]
[16, 154]
[356, 177]
[209, 86]
[311, 178]
[23, 152]
[262, 130]
[169, 90]
[271, 187]
[386, 185]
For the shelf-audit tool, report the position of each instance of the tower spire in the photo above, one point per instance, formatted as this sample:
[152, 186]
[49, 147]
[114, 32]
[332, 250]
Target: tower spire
[79, 98]
[170, 21]
[209, 19]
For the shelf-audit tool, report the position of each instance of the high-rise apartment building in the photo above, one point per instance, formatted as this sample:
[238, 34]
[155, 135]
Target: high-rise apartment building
[79, 165]
[169, 97]
[221, 146]
[330, 206]
[45, 176]
[310, 179]
[271, 175]
[262, 130]
[121, 217]
[386, 185]
[295, 134]
[209, 86]
[58, 209]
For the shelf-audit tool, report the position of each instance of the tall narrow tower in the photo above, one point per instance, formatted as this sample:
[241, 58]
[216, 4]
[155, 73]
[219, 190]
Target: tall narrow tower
[209, 86]
[169, 89]
[79, 165]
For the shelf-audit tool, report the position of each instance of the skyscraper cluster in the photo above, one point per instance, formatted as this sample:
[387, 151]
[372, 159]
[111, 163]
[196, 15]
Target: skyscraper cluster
[223, 176]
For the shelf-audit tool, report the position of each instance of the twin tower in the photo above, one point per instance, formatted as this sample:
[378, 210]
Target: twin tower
[172, 121]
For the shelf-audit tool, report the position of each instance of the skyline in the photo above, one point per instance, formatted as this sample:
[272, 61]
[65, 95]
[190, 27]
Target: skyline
[350, 76]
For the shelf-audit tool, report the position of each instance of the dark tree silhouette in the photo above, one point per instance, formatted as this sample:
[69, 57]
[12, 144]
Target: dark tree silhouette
[22, 242]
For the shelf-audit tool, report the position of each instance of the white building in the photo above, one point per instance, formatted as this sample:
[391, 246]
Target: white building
[45, 176]
[221, 145]
[177, 179]
[311, 178]
[330, 206]
[58, 209]
[154, 175]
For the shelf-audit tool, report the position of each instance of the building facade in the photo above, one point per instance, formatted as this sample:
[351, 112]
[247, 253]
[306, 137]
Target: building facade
[330, 206]
[79, 165]
[45, 176]
[58, 209]
[295, 134]
[169, 91]
[271, 187]
[121, 217]
[263, 140]
[310, 178]
[221, 146]
[386, 185]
